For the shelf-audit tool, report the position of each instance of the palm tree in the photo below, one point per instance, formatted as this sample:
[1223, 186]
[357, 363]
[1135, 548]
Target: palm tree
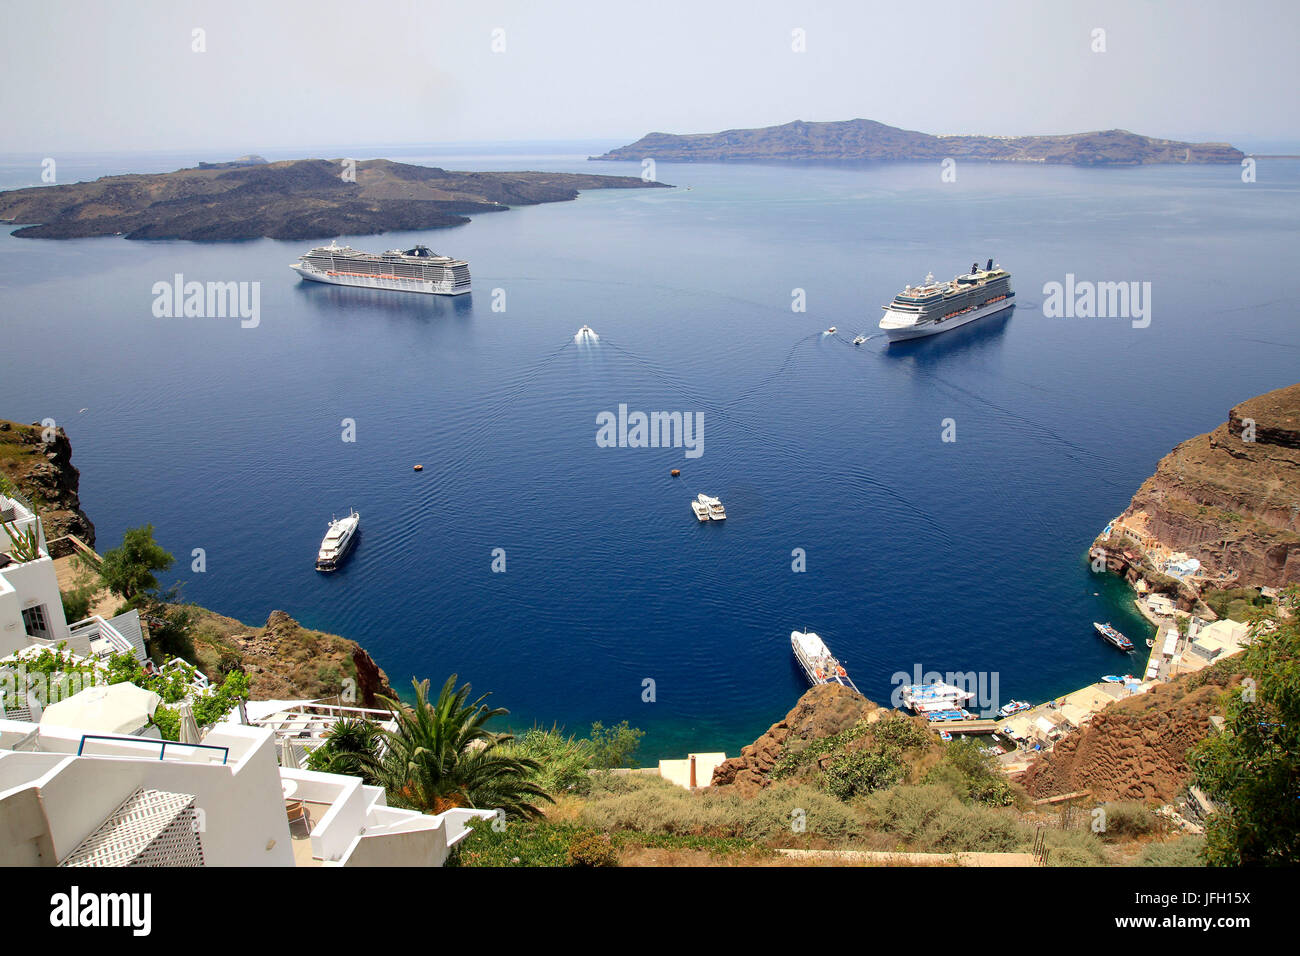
[442, 756]
[351, 747]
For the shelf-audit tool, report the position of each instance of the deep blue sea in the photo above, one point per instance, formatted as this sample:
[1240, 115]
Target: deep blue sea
[948, 556]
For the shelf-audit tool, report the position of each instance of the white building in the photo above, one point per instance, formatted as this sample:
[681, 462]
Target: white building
[31, 610]
[69, 798]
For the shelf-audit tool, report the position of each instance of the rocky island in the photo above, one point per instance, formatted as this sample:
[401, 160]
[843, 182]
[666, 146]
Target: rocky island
[1222, 509]
[862, 139]
[292, 199]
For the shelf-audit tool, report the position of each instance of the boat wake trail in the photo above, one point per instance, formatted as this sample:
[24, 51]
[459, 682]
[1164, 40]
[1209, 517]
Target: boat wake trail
[774, 376]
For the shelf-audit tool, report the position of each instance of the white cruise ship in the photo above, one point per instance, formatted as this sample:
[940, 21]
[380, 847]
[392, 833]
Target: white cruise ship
[338, 541]
[933, 306]
[819, 666]
[413, 270]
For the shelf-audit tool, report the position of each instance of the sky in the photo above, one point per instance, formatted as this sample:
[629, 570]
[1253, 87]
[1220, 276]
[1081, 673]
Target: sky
[87, 75]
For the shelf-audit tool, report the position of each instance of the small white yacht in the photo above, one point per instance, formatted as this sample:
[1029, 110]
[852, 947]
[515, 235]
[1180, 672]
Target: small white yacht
[586, 334]
[831, 331]
[716, 511]
[700, 508]
[338, 541]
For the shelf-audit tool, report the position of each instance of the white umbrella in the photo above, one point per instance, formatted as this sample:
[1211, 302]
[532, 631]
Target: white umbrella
[114, 709]
[189, 726]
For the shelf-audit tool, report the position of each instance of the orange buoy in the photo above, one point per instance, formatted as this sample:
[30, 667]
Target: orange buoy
[676, 472]
[419, 468]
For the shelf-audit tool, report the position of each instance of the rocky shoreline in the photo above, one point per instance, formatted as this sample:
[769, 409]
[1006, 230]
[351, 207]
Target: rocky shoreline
[868, 140]
[43, 473]
[292, 199]
[1222, 509]
[283, 660]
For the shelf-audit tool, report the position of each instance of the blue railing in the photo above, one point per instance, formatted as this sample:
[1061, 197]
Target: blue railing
[162, 750]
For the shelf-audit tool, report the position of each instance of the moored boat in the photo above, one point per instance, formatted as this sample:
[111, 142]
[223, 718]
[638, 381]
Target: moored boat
[1113, 637]
[819, 665]
[700, 508]
[338, 541]
[716, 511]
[1013, 707]
[935, 306]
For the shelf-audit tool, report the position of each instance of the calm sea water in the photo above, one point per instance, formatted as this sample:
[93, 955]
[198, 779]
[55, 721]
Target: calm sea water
[948, 556]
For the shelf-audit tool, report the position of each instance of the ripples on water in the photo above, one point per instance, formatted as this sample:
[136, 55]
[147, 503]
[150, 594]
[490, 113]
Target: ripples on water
[952, 556]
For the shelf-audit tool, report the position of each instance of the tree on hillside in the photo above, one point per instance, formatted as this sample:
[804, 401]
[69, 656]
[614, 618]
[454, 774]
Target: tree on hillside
[129, 570]
[442, 756]
[1252, 769]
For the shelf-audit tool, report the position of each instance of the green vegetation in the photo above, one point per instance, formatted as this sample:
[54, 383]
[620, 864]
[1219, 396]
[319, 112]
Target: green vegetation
[565, 762]
[1184, 851]
[972, 775]
[62, 675]
[1235, 603]
[129, 569]
[24, 544]
[351, 747]
[549, 843]
[441, 756]
[1127, 819]
[1250, 769]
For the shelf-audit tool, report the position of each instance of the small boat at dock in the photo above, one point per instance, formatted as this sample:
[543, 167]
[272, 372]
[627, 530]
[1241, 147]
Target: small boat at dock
[1113, 637]
[819, 666]
[338, 541]
[1013, 707]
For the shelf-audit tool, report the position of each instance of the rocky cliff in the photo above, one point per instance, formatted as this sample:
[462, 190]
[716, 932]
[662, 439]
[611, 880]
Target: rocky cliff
[42, 472]
[1135, 749]
[823, 711]
[1230, 497]
[293, 199]
[862, 139]
[286, 661]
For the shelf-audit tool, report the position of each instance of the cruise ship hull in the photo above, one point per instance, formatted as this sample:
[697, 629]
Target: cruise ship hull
[391, 284]
[922, 329]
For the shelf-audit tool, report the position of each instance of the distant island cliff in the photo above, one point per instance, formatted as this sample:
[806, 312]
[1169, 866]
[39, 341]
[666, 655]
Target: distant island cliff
[862, 139]
[292, 199]
[1228, 500]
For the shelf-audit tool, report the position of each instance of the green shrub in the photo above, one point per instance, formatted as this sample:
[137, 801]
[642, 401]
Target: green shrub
[650, 805]
[971, 774]
[613, 747]
[1073, 848]
[864, 771]
[1184, 851]
[563, 761]
[517, 843]
[592, 849]
[1127, 819]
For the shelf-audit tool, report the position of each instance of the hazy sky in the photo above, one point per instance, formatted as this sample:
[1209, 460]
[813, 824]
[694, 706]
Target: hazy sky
[82, 75]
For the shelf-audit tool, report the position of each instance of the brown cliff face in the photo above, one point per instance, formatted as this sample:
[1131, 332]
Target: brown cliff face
[43, 473]
[1231, 502]
[286, 661]
[1136, 749]
[823, 711]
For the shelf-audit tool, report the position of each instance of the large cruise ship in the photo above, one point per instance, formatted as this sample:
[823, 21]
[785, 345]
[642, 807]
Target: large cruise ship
[413, 270]
[933, 307]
